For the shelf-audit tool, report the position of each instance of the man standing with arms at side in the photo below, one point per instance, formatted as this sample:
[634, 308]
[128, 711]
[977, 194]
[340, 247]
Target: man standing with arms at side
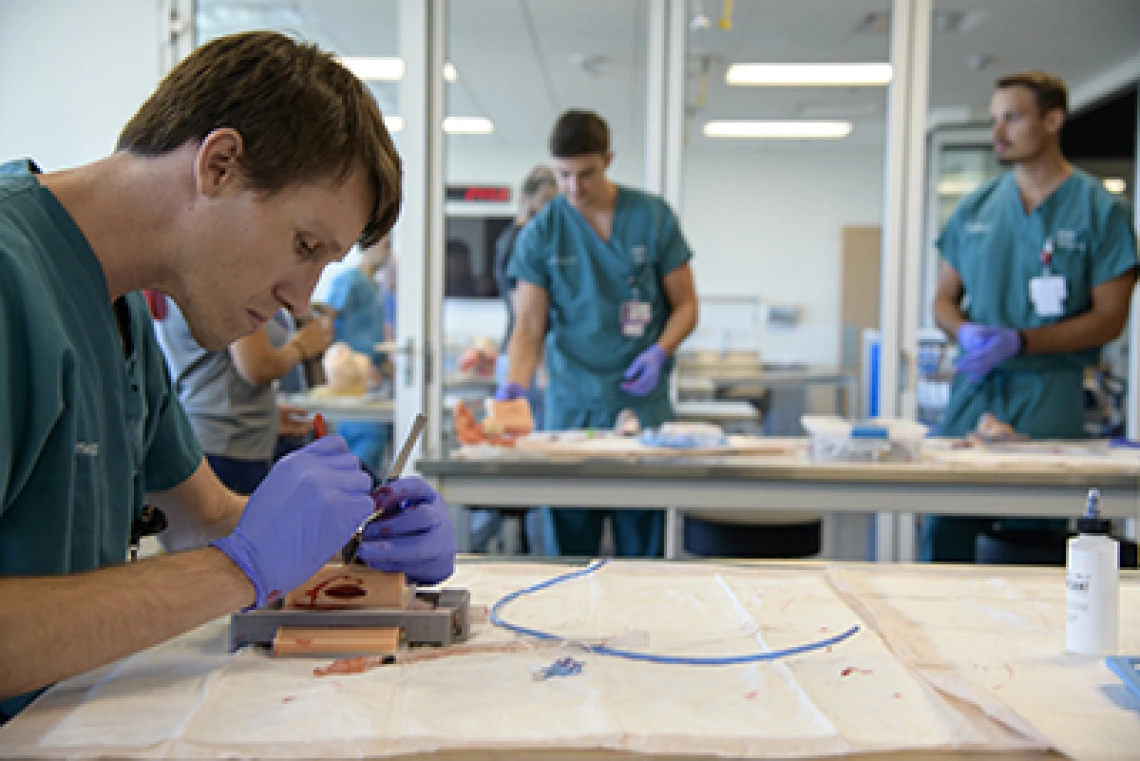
[1037, 274]
[603, 275]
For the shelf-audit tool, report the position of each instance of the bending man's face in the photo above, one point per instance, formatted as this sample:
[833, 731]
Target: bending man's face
[250, 253]
[582, 179]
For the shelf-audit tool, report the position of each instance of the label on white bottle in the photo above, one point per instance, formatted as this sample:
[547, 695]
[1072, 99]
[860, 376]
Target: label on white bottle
[1091, 598]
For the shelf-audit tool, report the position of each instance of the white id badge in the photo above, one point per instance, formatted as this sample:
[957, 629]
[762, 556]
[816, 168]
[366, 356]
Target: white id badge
[1048, 293]
[635, 316]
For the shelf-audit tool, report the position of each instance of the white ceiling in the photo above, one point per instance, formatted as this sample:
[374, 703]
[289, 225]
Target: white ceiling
[521, 62]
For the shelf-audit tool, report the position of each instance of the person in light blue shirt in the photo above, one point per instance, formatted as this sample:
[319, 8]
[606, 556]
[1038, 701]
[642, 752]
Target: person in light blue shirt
[386, 280]
[359, 322]
[603, 276]
[1037, 275]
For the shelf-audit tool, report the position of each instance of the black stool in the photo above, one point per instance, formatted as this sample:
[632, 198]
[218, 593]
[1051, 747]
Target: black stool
[747, 540]
[1019, 547]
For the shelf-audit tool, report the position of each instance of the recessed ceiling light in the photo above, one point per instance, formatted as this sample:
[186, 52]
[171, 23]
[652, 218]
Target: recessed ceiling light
[770, 130]
[876, 22]
[809, 74]
[468, 125]
[941, 22]
[394, 123]
[375, 69]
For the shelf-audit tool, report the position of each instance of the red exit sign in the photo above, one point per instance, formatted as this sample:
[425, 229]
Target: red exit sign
[483, 193]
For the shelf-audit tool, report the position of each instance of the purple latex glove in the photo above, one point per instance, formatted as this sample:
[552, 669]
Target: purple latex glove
[300, 516]
[971, 336]
[992, 346]
[417, 540]
[510, 391]
[644, 372]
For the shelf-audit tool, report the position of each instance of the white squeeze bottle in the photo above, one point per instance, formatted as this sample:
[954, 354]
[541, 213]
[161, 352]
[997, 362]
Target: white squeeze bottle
[1092, 580]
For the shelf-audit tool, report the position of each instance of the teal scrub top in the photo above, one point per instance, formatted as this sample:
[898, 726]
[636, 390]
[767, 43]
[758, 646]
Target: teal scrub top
[588, 280]
[85, 431]
[995, 246]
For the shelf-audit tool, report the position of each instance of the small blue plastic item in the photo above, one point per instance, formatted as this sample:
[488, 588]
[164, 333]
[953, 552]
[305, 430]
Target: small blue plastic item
[660, 438]
[870, 431]
[562, 667]
[1128, 669]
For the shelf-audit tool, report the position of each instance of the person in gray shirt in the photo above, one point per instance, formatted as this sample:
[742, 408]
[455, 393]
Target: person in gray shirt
[230, 395]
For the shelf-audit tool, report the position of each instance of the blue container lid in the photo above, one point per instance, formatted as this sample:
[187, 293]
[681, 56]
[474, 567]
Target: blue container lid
[866, 431]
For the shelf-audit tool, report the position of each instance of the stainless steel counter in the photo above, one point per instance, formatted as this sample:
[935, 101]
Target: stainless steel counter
[784, 388]
[784, 484]
[343, 409]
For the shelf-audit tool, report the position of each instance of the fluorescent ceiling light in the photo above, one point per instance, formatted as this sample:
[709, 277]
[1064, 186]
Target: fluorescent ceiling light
[452, 125]
[778, 130]
[809, 74]
[467, 125]
[1115, 185]
[375, 69]
[388, 69]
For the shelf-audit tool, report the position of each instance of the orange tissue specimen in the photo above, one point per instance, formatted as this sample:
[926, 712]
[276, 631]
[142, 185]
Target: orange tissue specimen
[349, 587]
[492, 431]
[511, 417]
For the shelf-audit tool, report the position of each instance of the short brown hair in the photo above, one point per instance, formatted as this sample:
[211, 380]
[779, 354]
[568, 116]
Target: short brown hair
[1049, 91]
[577, 133]
[302, 116]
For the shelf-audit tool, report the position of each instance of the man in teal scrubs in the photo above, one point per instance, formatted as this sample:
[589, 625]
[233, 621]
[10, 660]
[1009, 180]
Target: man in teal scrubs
[1037, 275]
[255, 163]
[603, 275]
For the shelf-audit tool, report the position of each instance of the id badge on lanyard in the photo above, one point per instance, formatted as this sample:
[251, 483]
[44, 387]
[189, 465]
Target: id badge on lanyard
[635, 313]
[1048, 291]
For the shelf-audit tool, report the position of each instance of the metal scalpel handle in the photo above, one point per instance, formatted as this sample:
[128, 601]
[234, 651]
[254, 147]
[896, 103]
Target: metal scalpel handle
[348, 554]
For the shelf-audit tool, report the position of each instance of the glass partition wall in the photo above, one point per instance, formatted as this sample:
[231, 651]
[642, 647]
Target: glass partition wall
[515, 68]
[783, 203]
[365, 34]
[801, 241]
[973, 44]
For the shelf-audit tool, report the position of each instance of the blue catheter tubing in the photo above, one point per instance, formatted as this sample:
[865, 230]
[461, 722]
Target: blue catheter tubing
[678, 660]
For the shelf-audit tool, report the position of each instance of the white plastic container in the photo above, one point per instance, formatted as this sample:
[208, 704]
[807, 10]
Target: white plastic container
[834, 439]
[1092, 581]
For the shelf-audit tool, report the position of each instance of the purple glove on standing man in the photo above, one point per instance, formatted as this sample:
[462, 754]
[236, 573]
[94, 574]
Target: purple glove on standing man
[985, 347]
[510, 391]
[645, 371]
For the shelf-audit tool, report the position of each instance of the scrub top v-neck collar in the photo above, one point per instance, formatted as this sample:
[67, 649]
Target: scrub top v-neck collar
[1020, 213]
[614, 228]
